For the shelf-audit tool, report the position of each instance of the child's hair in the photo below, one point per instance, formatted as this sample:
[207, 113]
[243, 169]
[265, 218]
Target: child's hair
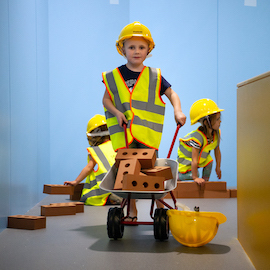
[97, 140]
[206, 124]
[97, 130]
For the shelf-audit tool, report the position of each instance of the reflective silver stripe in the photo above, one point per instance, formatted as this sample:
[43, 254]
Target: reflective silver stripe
[108, 115]
[112, 84]
[195, 135]
[94, 181]
[91, 193]
[102, 157]
[198, 136]
[185, 151]
[90, 185]
[148, 124]
[204, 155]
[184, 161]
[116, 128]
[150, 104]
[140, 105]
[152, 85]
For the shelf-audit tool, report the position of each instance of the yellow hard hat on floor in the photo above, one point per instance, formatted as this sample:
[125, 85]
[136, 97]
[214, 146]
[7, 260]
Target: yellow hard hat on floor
[194, 229]
[135, 29]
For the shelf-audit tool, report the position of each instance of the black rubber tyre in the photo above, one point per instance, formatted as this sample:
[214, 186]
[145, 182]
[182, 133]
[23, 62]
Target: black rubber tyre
[161, 224]
[115, 229]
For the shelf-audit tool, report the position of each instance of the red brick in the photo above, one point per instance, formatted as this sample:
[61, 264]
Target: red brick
[26, 222]
[79, 205]
[159, 171]
[58, 189]
[215, 185]
[77, 192]
[129, 166]
[57, 210]
[146, 156]
[190, 194]
[217, 194]
[143, 183]
[233, 193]
[187, 186]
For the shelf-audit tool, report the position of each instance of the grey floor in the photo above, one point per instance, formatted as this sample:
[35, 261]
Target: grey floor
[81, 242]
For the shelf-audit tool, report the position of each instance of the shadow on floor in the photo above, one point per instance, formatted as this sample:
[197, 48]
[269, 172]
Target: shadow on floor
[141, 239]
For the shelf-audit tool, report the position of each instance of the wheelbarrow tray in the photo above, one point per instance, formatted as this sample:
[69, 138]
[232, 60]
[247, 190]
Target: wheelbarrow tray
[108, 181]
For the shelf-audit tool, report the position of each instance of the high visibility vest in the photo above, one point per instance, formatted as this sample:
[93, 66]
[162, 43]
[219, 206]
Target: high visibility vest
[104, 156]
[142, 106]
[185, 150]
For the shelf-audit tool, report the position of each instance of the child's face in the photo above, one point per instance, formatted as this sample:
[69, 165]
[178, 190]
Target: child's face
[135, 50]
[216, 121]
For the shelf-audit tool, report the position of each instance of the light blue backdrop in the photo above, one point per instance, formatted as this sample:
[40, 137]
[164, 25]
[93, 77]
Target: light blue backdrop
[52, 54]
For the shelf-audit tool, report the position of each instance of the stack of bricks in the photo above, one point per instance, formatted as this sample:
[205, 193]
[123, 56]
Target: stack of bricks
[59, 209]
[211, 189]
[137, 171]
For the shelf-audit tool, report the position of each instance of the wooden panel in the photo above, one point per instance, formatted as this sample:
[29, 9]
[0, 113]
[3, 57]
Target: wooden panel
[253, 168]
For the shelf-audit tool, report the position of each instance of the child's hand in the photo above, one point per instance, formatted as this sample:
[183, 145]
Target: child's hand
[121, 119]
[218, 172]
[199, 181]
[180, 117]
[70, 183]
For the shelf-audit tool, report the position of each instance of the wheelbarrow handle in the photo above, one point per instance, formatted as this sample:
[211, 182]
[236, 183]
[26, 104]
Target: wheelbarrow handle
[125, 131]
[174, 138]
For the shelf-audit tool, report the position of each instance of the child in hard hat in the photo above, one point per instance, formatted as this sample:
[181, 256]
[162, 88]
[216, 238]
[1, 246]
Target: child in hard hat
[133, 96]
[100, 153]
[194, 149]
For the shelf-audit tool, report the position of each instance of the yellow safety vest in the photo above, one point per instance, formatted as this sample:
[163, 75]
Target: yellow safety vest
[143, 108]
[104, 156]
[185, 150]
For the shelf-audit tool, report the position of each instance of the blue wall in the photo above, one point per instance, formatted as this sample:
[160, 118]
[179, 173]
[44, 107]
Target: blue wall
[52, 54]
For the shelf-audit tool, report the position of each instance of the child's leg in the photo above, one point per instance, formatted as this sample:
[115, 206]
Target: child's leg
[159, 204]
[132, 211]
[207, 171]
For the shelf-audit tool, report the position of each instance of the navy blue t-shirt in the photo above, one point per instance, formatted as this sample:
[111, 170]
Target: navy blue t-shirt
[130, 77]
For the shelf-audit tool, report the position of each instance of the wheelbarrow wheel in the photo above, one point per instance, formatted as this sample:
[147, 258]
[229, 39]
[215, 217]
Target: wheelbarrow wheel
[115, 229]
[161, 224]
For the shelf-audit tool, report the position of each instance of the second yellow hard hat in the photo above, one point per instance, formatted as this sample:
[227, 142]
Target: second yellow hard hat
[202, 108]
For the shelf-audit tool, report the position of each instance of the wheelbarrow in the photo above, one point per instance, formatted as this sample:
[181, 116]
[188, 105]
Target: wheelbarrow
[190, 228]
[116, 217]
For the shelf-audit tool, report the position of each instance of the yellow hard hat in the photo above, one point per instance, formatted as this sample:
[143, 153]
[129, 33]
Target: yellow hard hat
[194, 229]
[96, 121]
[135, 29]
[202, 108]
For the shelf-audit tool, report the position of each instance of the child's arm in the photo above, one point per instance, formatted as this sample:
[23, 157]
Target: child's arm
[194, 166]
[107, 103]
[176, 103]
[85, 172]
[218, 161]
